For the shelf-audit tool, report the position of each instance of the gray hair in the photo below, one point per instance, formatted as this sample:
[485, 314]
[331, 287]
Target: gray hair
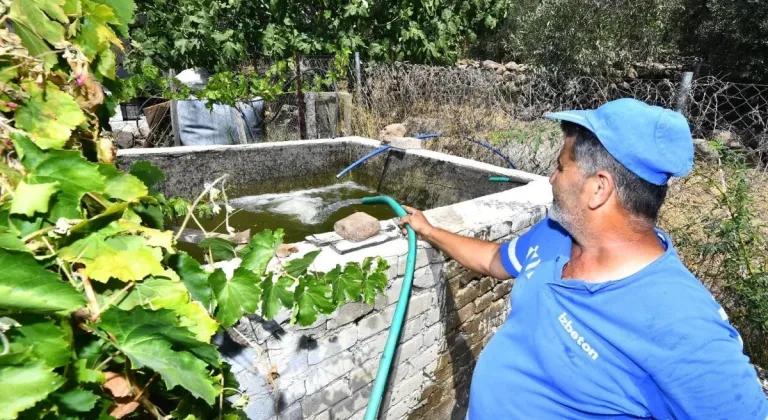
[638, 196]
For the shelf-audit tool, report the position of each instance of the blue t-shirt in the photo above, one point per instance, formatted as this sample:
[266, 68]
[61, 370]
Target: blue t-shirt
[653, 345]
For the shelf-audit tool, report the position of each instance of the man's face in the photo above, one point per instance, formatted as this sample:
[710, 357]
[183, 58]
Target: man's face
[568, 207]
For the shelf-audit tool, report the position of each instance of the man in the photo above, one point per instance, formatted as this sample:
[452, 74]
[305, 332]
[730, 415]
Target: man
[606, 322]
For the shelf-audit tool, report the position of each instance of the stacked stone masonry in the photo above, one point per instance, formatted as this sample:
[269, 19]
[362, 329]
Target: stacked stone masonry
[326, 371]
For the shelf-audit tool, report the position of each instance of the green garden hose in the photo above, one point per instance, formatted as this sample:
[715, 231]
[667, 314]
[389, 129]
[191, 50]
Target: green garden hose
[380, 383]
[498, 179]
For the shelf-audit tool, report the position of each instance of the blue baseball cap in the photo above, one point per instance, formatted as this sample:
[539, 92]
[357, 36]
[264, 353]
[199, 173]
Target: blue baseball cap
[653, 142]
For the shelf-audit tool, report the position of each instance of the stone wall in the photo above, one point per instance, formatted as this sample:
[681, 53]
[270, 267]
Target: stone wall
[326, 371]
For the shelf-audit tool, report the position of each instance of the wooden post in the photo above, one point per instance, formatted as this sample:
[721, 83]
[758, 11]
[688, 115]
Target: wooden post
[685, 89]
[300, 98]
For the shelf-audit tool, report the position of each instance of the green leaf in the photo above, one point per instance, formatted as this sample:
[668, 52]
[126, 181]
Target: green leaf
[32, 15]
[127, 258]
[79, 400]
[26, 286]
[150, 214]
[124, 10]
[193, 276]
[221, 249]
[86, 375]
[73, 7]
[236, 296]
[30, 384]
[157, 293]
[96, 34]
[29, 153]
[373, 285]
[260, 250]
[35, 45]
[29, 199]
[298, 266]
[152, 339]
[275, 295]
[107, 64]
[75, 175]
[122, 186]
[311, 296]
[49, 342]
[347, 285]
[147, 173]
[49, 115]
[10, 241]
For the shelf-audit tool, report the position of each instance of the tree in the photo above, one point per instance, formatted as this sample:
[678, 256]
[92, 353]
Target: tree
[730, 36]
[219, 35]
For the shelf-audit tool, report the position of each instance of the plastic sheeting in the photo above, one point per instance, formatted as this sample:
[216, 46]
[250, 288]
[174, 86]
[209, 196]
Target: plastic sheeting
[195, 125]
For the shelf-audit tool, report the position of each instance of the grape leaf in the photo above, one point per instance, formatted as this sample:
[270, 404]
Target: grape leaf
[159, 293]
[49, 115]
[150, 214]
[31, 198]
[275, 295]
[193, 277]
[48, 342]
[10, 241]
[86, 375]
[32, 15]
[126, 258]
[35, 45]
[221, 249]
[75, 175]
[79, 400]
[373, 285]
[30, 384]
[96, 34]
[346, 285]
[235, 296]
[298, 266]
[121, 186]
[25, 285]
[260, 250]
[123, 10]
[152, 339]
[311, 296]
[147, 173]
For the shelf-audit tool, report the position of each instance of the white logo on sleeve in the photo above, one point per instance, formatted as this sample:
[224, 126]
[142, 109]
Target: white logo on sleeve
[579, 339]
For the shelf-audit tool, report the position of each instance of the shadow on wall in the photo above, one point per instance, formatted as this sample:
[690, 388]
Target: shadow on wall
[447, 396]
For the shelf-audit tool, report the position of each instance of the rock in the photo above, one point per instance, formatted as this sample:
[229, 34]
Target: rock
[357, 227]
[492, 65]
[501, 70]
[631, 73]
[762, 376]
[392, 130]
[704, 151]
[124, 139]
[511, 66]
[403, 143]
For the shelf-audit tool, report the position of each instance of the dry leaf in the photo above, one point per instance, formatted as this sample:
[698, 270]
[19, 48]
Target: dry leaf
[117, 385]
[284, 250]
[123, 409]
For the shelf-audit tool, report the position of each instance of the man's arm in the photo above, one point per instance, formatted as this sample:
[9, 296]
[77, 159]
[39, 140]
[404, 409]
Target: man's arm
[483, 257]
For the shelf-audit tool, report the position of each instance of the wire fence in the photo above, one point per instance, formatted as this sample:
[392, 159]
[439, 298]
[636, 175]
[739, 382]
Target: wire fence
[504, 107]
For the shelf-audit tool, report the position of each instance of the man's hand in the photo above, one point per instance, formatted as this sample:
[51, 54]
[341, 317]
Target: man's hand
[418, 223]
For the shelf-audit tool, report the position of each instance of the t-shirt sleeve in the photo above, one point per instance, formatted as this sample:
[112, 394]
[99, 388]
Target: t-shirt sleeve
[710, 378]
[514, 252]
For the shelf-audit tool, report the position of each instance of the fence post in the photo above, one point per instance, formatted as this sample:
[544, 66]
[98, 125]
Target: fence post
[358, 88]
[300, 98]
[685, 89]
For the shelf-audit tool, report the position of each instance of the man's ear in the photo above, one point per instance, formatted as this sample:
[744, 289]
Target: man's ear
[601, 189]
